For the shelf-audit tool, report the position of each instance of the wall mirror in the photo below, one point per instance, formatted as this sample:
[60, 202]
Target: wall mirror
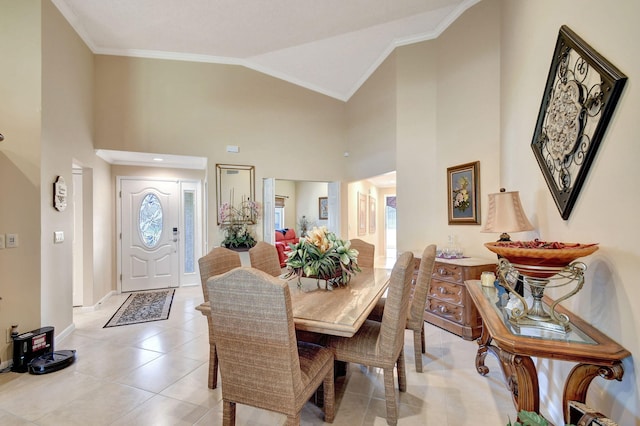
[235, 187]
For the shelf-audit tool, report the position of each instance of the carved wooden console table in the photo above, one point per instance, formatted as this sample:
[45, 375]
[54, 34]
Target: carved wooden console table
[595, 354]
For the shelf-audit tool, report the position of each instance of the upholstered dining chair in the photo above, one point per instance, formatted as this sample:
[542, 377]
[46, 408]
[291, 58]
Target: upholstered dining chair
[261, 363]
[265, 257]
[381, 344]
[415, 317]
[218, 261]
[366, 252]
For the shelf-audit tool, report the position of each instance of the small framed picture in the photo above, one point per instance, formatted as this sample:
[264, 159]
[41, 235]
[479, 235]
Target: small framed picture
[372, 215]
[362, 213]
[323, 208]
[463, 194]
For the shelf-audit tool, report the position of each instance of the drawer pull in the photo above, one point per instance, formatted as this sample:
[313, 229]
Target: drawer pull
[443, 309]
[443, 271]
[443, 290]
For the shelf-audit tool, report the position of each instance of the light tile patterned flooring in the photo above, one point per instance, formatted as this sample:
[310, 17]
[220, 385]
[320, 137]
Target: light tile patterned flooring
[156, 374]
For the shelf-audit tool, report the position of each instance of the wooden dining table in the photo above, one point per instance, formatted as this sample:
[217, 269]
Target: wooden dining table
[338, 311]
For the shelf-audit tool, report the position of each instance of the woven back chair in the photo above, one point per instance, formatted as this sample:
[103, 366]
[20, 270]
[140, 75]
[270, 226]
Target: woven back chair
[366, 252]
[265, 257]
[216, 262]
[261, 363]
[380, 344]
[415, 316]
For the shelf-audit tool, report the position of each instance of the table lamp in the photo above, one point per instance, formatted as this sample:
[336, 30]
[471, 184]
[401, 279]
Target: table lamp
[506, 215]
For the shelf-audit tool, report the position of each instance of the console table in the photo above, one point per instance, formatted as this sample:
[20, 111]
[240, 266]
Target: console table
[594, 353]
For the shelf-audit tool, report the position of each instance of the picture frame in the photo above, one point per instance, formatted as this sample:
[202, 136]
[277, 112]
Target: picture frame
[463, 194]
[323, 208]
[362, 213]
[372, 215]
[579, 98]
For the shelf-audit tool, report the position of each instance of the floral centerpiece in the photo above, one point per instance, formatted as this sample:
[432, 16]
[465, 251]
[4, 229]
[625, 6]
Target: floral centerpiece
[236, 223]
[322, 255]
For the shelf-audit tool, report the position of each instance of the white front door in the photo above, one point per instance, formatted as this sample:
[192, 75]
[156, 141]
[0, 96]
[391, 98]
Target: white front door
[149, 237]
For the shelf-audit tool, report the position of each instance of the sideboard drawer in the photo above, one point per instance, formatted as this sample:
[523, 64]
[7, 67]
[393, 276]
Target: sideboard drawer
[447, 272]
[446, 310]
[448, 292]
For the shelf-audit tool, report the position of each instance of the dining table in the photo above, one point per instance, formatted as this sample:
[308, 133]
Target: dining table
[337, 311]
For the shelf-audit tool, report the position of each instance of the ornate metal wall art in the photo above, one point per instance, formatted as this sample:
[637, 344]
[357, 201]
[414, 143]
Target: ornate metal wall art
[579, 99]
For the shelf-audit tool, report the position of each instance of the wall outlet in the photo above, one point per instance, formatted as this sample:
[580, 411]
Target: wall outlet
[9, 339]
[1, 241]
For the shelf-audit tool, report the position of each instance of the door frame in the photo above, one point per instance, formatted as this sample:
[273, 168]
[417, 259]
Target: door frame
[184, 184]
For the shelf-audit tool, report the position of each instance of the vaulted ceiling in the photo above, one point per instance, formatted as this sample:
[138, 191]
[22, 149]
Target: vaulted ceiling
[329, 46]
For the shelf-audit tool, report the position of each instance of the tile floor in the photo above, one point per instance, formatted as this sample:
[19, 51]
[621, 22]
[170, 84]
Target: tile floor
[156, 374]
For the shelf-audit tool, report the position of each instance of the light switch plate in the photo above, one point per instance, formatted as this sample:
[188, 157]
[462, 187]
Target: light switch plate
[58, 237]
[11, 240]
[1, 241]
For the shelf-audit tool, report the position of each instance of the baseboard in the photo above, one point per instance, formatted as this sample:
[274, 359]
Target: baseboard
[61, 336]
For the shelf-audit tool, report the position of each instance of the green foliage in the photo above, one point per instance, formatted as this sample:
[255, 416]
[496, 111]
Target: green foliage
[324, 256]
[530, 418]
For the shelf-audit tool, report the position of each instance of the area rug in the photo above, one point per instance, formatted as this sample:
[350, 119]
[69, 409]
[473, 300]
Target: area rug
[144, 306]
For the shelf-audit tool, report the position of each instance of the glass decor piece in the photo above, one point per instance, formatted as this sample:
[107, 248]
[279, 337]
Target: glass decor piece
[151, 220]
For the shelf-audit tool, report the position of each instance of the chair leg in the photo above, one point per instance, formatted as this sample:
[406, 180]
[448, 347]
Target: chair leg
[213, 357]
[416, 350]
[424, 346]
[390, 396]
[402, 372]
[213, 366]
[228, 413]
[293, 420]
[329, 397]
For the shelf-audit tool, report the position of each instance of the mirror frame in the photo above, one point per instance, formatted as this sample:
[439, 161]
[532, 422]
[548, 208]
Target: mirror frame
[220, 169]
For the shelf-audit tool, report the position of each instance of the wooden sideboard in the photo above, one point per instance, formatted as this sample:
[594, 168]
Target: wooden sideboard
[448, 303]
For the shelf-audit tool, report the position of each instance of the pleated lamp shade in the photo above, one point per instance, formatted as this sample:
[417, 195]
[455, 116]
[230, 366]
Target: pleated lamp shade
[506, 214]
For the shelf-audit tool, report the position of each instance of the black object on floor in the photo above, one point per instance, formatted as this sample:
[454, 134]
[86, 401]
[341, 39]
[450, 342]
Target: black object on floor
[51, 362]
[30, 345]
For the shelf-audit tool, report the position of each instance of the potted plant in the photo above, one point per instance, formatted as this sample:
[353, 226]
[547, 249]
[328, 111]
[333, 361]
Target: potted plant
[236, 223]
[322, 255]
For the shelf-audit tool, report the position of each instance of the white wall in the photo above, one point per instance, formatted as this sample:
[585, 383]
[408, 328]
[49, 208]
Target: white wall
[606, 210]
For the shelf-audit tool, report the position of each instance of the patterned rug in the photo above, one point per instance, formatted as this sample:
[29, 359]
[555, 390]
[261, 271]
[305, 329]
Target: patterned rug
[143, 306]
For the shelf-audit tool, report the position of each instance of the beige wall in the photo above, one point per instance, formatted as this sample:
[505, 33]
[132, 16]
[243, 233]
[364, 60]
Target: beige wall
[20, 123]
[471, 95]
[606, 210]
[307, 201]
[198, 109]
[371, 125]
[448, 114]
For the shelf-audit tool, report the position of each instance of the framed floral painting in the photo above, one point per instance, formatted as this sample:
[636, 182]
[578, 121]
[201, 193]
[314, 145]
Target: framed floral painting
[463, 194]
